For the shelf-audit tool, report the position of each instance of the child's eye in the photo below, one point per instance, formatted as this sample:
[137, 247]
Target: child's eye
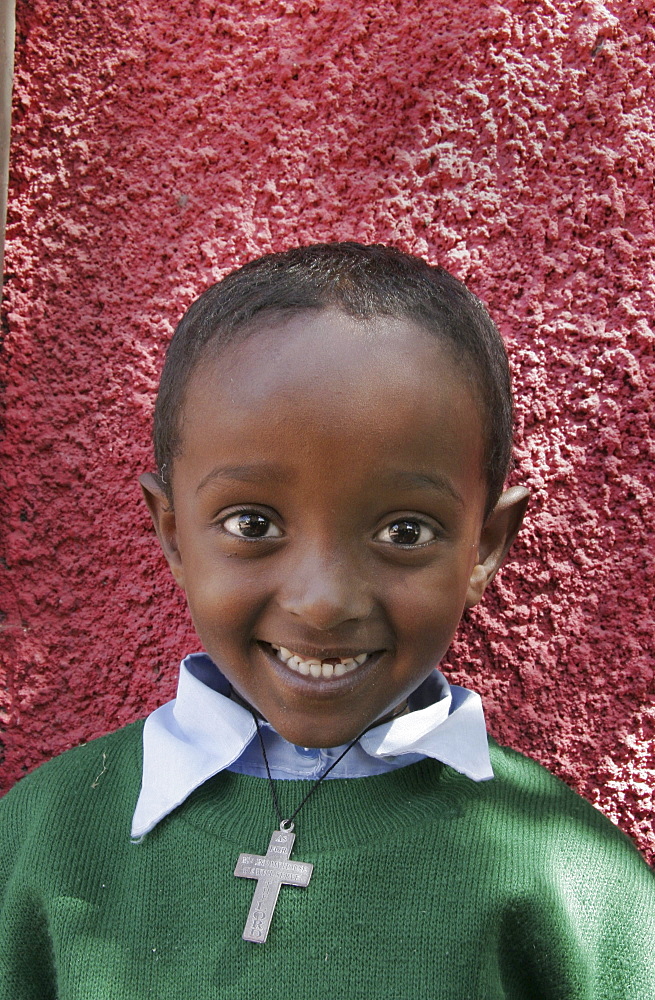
[250, 524]
[407, 531]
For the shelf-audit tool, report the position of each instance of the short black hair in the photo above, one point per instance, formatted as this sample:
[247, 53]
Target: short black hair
[363, 282]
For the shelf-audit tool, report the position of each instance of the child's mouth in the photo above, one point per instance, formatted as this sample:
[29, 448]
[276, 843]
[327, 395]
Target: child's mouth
[332, 666]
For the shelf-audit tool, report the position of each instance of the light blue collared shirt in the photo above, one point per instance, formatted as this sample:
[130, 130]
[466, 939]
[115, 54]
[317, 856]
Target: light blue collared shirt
[202, 732]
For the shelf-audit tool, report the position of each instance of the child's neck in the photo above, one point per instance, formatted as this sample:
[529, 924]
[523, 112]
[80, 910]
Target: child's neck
[402, 709]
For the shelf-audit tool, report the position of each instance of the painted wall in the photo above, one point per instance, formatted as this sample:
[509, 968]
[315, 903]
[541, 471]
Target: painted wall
[152, 152]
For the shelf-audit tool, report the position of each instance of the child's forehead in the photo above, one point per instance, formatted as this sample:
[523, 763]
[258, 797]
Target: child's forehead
[327, 377]
[328, 344]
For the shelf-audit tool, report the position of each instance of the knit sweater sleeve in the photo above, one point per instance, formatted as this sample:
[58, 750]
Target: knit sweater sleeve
[595, 942]
[46, 824]
[583, 921]
[588, 932]
[26, 960]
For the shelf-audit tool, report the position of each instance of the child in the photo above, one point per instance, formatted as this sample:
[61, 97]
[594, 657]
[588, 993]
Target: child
[332, 434]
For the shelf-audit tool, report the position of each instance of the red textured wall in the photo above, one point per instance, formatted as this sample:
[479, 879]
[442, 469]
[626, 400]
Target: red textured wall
[156, 146]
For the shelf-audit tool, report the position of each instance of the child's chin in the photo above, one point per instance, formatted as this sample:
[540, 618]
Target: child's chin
[319, 733]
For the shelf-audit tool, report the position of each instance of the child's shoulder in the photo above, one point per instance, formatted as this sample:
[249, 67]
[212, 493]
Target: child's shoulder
[556, 820]
[521, 776]
[81, 786]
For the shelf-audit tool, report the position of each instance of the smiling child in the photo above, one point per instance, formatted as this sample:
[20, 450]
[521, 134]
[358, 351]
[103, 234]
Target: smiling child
[332, 436]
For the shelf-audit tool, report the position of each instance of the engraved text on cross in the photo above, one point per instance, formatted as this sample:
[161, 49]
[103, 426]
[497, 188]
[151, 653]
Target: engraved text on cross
[271, 871]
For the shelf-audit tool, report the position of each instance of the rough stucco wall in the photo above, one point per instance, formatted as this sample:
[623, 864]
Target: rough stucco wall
[153, 151]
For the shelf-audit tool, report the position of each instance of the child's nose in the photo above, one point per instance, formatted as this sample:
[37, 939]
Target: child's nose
[325, 591]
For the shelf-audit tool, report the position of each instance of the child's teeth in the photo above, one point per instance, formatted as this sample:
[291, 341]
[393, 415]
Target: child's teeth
[317, 668]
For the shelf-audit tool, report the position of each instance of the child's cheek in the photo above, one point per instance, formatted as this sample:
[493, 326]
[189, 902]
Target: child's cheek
[225, 600]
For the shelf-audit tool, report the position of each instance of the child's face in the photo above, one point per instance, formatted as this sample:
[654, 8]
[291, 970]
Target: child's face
[328, 502]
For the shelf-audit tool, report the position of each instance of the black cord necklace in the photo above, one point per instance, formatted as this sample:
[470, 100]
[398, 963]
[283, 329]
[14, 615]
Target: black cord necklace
[275, 868]
[287, 824]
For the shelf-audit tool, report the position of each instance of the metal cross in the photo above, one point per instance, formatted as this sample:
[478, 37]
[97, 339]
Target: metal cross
[271, 872]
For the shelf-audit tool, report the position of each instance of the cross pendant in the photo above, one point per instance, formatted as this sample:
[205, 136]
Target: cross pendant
[271, 871]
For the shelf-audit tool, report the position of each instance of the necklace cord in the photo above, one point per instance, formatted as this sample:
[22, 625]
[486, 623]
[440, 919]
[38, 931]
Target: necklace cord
[271, 783]
[311, 791]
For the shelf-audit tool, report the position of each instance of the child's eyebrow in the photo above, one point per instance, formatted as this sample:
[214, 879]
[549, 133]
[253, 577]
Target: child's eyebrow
[402, 479]
[398, 479]
[246, 474]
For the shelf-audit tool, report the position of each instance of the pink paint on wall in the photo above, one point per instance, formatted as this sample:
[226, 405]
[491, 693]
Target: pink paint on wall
[156, 147]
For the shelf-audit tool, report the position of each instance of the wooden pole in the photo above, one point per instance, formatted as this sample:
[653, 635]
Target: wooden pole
[7, 36]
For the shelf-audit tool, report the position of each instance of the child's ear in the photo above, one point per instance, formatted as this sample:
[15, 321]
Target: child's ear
[163, 518]
[498, 533]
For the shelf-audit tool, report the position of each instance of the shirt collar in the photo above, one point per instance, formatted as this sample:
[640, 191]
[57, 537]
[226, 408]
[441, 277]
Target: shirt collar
[181, 748]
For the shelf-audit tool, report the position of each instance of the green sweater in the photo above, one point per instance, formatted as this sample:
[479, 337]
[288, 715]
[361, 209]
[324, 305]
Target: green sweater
[425, 885]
